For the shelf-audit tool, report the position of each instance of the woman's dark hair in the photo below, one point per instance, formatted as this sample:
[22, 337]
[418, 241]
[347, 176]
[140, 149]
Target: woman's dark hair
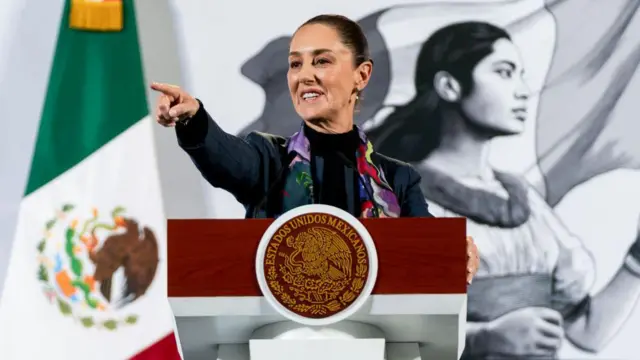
[413, 130]
[351, 35]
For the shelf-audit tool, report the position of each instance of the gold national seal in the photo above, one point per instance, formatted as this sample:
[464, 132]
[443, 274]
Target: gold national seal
[316, 265]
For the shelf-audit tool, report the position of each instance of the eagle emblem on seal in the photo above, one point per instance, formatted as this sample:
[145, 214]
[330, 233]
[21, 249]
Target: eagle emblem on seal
[321, 253]
[316, 265]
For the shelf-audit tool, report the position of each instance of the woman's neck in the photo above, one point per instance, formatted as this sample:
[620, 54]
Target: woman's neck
[323, 143]
[463, 151]
[338, 125]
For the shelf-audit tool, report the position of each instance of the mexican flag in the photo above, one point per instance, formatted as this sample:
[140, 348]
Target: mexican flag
[86, 277]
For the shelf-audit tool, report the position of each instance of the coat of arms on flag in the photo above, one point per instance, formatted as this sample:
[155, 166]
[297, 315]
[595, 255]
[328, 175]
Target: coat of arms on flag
[92, 264]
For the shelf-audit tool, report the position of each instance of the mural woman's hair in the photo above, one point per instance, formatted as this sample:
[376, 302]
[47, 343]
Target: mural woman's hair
[413, 130]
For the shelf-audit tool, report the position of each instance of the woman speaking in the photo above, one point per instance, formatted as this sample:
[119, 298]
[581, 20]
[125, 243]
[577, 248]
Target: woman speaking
[329, 161]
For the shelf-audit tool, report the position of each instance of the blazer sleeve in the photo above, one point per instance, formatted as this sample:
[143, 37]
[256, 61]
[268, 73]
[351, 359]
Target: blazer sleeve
[413, 201]
[224, 160]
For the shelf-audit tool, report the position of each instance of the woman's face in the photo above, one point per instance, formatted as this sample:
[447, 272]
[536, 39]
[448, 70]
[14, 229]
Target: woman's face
[321, 77]
[498, 100]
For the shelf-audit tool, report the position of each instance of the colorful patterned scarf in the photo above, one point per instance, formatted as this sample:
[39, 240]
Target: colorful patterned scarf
[298, 188]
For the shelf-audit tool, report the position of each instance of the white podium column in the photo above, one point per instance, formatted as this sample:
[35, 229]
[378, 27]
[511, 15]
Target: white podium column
[346, 340]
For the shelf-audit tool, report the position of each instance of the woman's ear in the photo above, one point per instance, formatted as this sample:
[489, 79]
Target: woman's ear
[363, 74]
[447, 87]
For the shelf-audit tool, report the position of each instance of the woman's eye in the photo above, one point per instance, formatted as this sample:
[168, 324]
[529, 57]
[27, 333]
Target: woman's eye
[294, 64]
[505, 73]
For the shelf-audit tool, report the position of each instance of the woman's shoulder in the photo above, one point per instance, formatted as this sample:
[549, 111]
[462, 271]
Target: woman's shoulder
[270, 145]
[398, 173]
[389, 162]
[264, 138]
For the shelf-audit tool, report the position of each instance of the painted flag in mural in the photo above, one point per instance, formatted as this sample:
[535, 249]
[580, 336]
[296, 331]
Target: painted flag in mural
[587, 116]
[85, 278]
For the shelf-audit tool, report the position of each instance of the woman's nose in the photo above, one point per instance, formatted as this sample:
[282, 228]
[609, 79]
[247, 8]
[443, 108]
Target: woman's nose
[523, 91]
[306, 74]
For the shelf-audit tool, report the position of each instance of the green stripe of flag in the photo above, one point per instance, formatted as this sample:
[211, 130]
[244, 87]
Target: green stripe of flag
[96, 91]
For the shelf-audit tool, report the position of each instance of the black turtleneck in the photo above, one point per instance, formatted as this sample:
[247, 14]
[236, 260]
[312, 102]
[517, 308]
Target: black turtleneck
[332, 190]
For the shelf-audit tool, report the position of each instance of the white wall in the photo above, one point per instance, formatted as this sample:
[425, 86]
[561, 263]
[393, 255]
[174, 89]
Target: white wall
[26, 47]
[214, 39]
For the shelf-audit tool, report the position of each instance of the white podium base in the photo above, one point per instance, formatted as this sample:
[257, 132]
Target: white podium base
[347, 340]
[289, 330]
[394, 351]
[317, 349]
[414, 327]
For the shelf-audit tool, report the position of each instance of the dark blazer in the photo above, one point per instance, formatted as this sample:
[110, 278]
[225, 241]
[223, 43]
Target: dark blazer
[249, 168]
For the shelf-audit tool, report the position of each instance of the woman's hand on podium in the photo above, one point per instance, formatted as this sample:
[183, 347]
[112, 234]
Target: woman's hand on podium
[174, 104]
[473, 259]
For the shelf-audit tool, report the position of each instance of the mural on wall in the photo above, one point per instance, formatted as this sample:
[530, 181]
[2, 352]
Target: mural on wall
[535, 276]
[450, 79]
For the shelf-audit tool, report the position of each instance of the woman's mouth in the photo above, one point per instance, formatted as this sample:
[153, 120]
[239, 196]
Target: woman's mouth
[311, 95]
[520, 114]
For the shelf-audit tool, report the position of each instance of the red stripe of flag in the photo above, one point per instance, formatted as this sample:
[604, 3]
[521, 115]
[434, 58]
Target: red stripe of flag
[165, 349]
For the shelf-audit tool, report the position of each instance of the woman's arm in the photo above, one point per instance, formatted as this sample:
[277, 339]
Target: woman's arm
[224, 160]
[606, 311]
[590, 321]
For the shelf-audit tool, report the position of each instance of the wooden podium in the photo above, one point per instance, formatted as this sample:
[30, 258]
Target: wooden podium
[417, 309]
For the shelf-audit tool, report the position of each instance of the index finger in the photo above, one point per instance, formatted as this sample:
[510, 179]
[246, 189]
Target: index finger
[166, 89]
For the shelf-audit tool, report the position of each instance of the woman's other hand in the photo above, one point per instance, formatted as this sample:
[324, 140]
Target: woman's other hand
[473, 259]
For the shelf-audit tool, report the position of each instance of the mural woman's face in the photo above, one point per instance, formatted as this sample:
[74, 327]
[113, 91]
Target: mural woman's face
[498, 100]
[321, 74]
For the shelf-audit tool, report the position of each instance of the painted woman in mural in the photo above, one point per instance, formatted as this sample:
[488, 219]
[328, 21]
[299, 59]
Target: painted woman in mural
[532, 288]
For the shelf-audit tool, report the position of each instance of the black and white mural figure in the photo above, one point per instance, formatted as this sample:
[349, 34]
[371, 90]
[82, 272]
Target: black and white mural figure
[456, 80]
[532, 290]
